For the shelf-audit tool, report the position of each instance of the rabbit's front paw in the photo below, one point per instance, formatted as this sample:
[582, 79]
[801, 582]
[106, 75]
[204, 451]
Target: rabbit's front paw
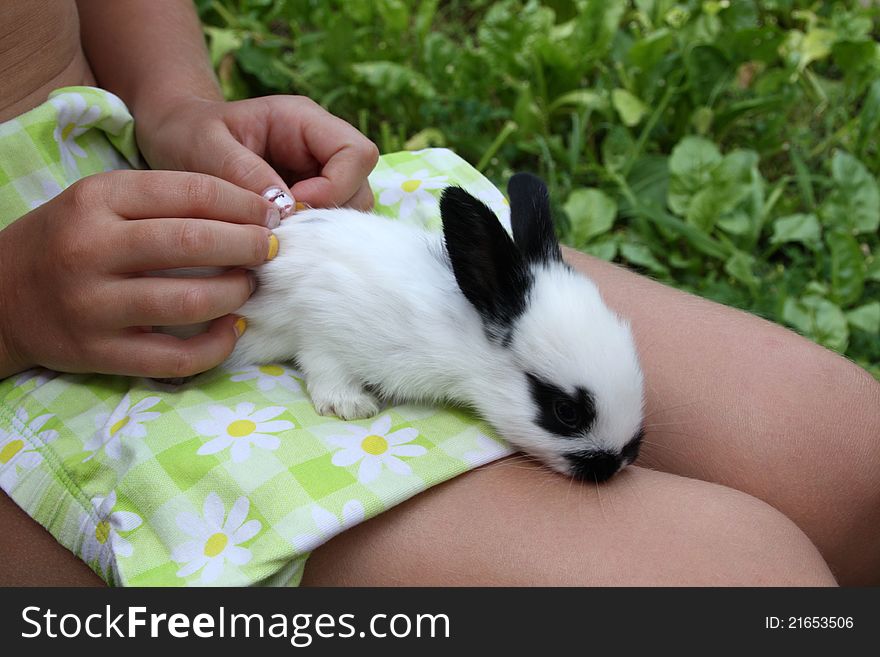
[345, 403]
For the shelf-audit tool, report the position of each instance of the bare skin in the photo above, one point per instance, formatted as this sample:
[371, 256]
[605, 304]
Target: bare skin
[41, 52]
[733, 402]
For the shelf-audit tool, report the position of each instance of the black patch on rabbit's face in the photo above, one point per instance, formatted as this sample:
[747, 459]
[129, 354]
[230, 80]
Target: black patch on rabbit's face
[569, 414]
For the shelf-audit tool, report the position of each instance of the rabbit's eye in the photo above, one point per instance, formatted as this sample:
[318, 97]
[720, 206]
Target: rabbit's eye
[566, 412]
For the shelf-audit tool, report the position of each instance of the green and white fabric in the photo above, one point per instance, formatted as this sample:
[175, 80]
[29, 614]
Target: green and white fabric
[231, 479]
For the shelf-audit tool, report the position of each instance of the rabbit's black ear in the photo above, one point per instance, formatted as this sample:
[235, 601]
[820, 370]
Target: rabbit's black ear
[487, 265]
[531, 220]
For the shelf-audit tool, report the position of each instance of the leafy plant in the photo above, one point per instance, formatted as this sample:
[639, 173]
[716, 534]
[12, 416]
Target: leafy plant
[727, 147]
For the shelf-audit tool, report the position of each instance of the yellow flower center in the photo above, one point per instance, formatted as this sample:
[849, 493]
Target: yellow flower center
[116, 427]
[65, 133]
[10, 449]
[241, 428]
[102, 531]
[272, 370]
[374, 445]
[215, 544]
[409, 186]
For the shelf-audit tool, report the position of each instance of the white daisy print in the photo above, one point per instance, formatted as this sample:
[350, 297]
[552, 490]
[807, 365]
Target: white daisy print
[241, 429]
[75, 116]
[269, 376]
[408, 190]
[215, 541]
[124, 421]
[375, 448]
[101, 530]
[16, 452]
[328, 525]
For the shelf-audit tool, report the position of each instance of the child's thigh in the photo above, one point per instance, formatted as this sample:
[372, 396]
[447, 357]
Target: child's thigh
[515, 523]
[740, 401]
[29, 556]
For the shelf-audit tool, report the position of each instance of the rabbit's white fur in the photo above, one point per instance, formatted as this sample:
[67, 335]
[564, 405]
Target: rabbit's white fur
[357, 299]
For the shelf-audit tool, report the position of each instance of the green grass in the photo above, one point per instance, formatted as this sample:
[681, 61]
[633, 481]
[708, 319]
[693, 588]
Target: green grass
[729, 148]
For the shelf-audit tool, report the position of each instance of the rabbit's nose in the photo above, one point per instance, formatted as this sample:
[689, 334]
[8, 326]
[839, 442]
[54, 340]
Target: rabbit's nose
[594, 466]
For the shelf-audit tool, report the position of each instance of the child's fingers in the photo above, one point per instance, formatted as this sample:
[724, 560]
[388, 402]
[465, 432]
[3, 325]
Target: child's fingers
[228, 159]
[301, 129]
[149, 194]
[178, 301]
[149, 245]
[158, 355]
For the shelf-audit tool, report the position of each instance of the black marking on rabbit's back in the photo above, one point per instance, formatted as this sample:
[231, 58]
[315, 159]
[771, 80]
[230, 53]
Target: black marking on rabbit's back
[548, 398]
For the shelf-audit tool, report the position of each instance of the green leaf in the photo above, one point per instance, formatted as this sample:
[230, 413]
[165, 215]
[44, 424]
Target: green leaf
[818, 319]
[691, 165]
[869, 117]
[429, 137]
[391, 78]
[617, 148]
[628, 106]
[647, 51]
[736, 223]
[865, 318]
[740, 267]
[847, 267]
[605, 249]
[803, 228]
[639, 254]
[511, 34]
[803, 49]
[873, 269]
[591, 212]
[855, 201]
[580, 98]
[222, 42]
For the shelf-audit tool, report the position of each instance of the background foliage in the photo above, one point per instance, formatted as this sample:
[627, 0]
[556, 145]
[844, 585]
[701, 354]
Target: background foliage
[728, 147]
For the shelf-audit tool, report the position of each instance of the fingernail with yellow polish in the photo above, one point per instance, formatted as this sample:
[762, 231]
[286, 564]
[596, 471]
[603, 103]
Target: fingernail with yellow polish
[301, 206]
[273, 247]
[282, 200]
[239, 327]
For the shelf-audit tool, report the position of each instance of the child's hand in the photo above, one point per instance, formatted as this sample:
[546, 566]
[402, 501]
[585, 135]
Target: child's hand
[263, 143]
[73, 296]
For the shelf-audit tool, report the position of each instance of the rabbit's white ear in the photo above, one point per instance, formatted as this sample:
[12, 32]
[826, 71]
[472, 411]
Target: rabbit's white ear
[487, 265]
[531, 220]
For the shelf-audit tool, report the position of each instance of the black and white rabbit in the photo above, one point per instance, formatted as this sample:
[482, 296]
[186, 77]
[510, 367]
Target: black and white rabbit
[369, 307]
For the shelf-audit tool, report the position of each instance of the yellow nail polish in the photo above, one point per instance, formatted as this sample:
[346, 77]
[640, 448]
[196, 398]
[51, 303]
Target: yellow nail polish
[300, 206]
[273, 247]
[239, 327]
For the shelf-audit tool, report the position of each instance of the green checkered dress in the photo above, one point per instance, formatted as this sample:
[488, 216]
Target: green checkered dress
[231, 479]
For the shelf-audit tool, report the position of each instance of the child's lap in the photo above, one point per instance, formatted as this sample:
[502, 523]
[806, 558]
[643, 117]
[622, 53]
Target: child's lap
[231, 478]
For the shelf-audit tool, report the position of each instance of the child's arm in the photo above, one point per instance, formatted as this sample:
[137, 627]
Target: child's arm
[152, 54]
